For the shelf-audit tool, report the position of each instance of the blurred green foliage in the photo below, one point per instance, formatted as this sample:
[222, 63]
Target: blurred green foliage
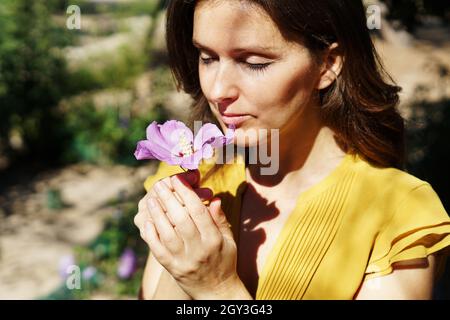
[105, 136]
[162, 84]
[46, 104]
[118, 71]
[54, 199]
[32, 76]
[119, 9]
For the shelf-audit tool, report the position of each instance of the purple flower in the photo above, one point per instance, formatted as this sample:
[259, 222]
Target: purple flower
[64, 263]
[174, 143]
[127, 264]
[89, 273]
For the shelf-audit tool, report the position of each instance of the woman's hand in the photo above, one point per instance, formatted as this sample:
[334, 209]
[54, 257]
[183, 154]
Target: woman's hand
[192, 241]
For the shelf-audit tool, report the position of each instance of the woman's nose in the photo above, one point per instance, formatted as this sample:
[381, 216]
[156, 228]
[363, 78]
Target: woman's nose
[224, 87]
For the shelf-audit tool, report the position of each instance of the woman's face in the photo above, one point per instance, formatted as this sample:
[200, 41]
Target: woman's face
[247, 68]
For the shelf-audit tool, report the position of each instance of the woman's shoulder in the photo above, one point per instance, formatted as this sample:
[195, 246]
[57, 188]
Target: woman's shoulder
[394, 197]
[404, 212]
[398, 192]
[386, 181]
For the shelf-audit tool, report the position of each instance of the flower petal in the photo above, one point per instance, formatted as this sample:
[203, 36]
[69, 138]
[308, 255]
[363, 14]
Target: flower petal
[127, 264]
[174, 160]
[208, 133]
[64, 263]
[157, 143]
[172, 130]
[207, 151]
[192, 162]
[143, 151]
[171, 142]
[229, 135]
[154, 135]
[89, 273]
[160, 152]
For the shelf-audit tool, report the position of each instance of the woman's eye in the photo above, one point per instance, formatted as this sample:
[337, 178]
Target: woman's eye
[257, 66]
[206, 60]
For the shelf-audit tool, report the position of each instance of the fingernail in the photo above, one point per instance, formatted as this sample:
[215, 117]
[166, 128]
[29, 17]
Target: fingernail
[162, 188]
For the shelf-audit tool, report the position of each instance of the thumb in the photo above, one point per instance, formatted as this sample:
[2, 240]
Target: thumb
[219, 217]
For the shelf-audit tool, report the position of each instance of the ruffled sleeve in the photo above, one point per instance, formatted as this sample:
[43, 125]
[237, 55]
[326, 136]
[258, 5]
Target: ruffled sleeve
[418, 227]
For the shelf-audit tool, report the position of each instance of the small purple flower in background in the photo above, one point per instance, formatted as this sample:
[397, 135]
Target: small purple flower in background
[174, 143]
[89, 273]
[127, 264]
[64, 263]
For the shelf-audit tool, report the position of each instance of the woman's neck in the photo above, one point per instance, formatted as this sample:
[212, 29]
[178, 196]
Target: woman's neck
[306, 154]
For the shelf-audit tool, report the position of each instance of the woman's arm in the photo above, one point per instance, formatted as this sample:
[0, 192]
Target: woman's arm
[158, 284]
[410, 280]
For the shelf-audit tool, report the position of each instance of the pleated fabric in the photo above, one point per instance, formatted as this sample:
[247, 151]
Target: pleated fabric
[303, 243]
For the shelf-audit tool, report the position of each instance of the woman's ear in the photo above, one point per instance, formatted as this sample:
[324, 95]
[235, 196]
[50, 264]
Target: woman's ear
[331, 66]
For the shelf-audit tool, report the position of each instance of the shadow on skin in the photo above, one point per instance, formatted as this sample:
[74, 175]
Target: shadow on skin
[250, 236]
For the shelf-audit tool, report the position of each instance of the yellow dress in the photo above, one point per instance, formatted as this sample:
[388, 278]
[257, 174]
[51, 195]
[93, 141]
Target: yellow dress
[353, 224]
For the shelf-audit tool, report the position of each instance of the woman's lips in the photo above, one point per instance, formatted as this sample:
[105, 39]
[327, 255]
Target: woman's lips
[234, 119]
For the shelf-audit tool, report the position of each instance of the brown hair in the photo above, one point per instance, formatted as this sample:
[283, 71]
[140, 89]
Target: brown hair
[360, 106]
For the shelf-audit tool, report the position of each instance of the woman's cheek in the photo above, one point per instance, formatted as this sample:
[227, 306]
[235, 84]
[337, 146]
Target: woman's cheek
[203, 77]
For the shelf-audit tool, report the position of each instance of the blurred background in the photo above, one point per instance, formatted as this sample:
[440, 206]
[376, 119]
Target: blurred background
[74, 102]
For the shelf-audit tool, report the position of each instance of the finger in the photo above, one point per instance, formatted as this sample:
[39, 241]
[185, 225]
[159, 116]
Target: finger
[143, 207]
[139, 220]
[176, 212]
[139, 223]
[196, 209]
[154, 195]
[169, 185]
[164, 228]
[142, 214]
[191, 178]
[219, 218]
[157, 248]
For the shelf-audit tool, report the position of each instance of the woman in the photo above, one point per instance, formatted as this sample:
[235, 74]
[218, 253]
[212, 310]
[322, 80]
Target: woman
[339, 219]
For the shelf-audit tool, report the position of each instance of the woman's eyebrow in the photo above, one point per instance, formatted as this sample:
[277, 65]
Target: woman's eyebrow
[236, 50]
